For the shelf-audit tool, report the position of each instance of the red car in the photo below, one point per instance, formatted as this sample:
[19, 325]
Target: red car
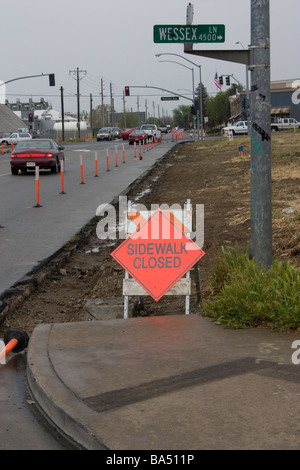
[125, 134]
[44, 153]
[137, 136]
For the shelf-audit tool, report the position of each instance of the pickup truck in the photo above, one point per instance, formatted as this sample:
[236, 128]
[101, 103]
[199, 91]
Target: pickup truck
[164, 129]
[284, 123]
[240, 128]
[151, 130]
[15, 138]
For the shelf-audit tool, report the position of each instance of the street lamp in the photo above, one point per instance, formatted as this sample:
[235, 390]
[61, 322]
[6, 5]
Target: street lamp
[190, 68]
[196, 65]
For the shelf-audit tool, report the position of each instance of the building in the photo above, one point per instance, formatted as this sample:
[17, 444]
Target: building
[47, 122]
[9, 122]
[283, 102]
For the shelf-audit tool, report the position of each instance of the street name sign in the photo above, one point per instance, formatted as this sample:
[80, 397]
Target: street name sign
[158, 254]
[189, 33]
[169, 98]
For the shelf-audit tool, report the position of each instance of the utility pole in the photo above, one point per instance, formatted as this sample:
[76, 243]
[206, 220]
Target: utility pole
[102, 102]
[260, 246]
[124, 109]
[257, 58]
[62, 113]
[112, 106]
[77, 72]
[91, 113]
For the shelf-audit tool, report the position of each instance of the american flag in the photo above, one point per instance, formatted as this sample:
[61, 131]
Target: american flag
[217, 83]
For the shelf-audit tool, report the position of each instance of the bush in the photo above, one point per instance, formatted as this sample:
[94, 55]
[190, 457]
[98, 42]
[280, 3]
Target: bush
[250, 296]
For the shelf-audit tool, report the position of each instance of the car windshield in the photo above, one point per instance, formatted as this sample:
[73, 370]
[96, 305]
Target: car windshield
[148, 127]
[32, 144]
[105, 129]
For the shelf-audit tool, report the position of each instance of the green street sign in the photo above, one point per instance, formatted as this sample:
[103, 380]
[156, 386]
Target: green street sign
[169, 98]
[189, 33]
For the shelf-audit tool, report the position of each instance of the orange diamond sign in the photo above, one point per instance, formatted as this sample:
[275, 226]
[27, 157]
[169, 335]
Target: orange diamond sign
[158, 254]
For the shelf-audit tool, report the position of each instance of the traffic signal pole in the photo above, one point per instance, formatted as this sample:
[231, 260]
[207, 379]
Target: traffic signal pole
[257, 58]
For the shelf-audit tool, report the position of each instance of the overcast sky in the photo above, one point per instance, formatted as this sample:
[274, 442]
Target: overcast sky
[113, 40]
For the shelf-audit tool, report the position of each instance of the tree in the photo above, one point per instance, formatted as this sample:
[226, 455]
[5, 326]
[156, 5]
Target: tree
[182, 116]
[98, 114]
[218, 107]
[204, 97]
[129, 120]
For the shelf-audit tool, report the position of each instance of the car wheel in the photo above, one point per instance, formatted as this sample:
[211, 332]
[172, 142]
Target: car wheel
[55, 168]
[14, 170]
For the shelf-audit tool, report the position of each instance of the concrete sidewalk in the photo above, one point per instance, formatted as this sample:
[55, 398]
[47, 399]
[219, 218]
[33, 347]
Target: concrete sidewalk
[177, 382]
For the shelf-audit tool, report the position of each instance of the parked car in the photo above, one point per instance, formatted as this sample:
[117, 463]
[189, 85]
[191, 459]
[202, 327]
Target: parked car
[125, 134]
[44, 153]
[116, 132]
[106, 133]
[137, 136]
[280, 124]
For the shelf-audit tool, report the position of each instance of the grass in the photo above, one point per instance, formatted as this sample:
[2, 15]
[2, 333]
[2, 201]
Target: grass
[250, 296]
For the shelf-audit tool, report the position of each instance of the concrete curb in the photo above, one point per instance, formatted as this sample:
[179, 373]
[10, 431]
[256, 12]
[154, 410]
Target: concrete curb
[58, 403]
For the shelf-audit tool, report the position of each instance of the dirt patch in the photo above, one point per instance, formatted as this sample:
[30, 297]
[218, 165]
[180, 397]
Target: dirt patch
[210, 173]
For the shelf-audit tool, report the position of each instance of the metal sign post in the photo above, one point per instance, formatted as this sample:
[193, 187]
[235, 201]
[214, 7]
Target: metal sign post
[257, 58]
[260, 247]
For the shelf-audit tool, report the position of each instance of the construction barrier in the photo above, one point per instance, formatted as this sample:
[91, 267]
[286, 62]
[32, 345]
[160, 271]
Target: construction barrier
[81, 170]
[96, 164]
[107, 160]
[15, 340]
[62, 176]
[144, 146]
[37, 186]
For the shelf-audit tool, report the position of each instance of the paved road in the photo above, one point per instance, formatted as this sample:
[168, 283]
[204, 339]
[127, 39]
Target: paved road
[32, 234]
[22, 425]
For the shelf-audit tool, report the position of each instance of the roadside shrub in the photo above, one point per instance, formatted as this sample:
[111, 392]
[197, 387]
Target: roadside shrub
[249, 296]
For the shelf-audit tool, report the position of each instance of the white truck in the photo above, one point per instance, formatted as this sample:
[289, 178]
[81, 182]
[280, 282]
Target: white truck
[151, 131]
[15, 138]
[239, 128]
[281, 124]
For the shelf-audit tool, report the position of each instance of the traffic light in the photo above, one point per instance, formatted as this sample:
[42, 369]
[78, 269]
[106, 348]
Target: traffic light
[193, 111]
[127, 92]
[30, 117]
[30, 126]
[227, 81]
[221, 80]
[51, 79]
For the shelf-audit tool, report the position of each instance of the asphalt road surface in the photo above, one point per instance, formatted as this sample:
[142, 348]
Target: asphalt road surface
[22, 425]
[31, 234]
